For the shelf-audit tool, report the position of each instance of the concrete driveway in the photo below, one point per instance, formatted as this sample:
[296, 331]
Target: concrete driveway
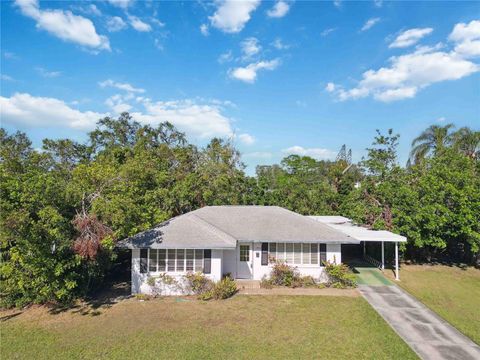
[425, 332]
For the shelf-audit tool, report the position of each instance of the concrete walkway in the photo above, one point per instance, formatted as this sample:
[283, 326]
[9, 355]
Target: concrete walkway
[425, 332]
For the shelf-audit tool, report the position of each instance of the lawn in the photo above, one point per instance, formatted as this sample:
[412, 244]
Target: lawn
[451, 292]
[243, 327]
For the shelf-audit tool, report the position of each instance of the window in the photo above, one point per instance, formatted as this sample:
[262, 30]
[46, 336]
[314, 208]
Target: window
[272, 252]
[152, 265]
[314, 254]
[180, 260]
[175, 260]
[289, 253]
[306, 253]
[244, 253]
[281, 252]
[162, 256]
[171, 260]
[297, 253]
[189, 259]
[198, 260]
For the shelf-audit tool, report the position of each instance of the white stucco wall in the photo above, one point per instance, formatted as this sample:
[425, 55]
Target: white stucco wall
[225, 261]
[140, 281]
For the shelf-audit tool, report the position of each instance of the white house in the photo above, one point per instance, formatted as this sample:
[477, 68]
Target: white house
[235, 240]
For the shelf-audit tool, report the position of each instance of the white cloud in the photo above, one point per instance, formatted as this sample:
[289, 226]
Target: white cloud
[317, 153]
[410, 37]
[48, 74]
[123, 4]
[225, 57]
[327, 31]
[441, 119]
[250, 47]
[337, 3]
[119, 103]
[408, 74]
[378, 3]
[280, 9]
[231, 15]
[279, 45]
[258, 155]
[248, 74]
[139, 25]
[247, 139]
[65, 25]
[202, 120]
[204, 29]
[330, 87]
[121, 86]
[116, 23]
[467, 38]
[369, 24]
[28, 110]
[89, 9]
[199, 120]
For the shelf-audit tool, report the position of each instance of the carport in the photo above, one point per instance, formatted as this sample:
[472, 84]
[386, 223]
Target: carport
[366, 236]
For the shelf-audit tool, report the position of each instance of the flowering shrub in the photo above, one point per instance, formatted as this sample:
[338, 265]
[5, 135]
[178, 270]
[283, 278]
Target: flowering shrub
[198, 283]
[283, 274]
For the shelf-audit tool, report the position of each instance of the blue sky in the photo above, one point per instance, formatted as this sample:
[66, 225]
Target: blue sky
[279, 77]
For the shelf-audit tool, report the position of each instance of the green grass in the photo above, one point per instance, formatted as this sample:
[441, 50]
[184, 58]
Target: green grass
[244, 327]
[451, 292]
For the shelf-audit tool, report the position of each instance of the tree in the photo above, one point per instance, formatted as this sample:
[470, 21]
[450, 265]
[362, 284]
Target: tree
[432, 140]
[467, 141]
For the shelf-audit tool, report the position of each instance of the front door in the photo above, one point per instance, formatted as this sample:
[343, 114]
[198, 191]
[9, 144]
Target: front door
[244, 261]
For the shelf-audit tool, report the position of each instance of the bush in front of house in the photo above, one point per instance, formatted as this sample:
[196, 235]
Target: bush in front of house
[198, 283]
[206, 289]
[223, 289]
[283, 274]
[339, 276]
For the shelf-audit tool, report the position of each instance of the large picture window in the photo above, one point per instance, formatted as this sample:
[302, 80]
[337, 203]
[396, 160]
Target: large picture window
[298, 253]
[178, 260]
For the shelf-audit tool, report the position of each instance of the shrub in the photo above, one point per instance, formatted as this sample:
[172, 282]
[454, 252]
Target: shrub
[308, 281]
[340, 276]
[198, 283]
[225, 288]
[283, 274]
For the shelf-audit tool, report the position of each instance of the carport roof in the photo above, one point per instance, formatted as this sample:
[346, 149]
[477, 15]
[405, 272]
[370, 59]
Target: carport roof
[346, 226]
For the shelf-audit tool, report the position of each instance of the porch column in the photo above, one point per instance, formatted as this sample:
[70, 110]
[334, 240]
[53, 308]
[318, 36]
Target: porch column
[383, 256]
[397, 277]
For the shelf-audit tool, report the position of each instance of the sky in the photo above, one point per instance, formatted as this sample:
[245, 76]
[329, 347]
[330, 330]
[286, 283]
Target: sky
[278, 77]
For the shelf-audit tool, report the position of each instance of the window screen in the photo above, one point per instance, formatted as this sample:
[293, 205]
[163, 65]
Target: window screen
[323, 253]
[162, 257]
[180, 260]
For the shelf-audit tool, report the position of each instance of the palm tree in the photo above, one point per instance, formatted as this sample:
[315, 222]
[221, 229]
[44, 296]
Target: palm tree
[467, 141]
[432, 139]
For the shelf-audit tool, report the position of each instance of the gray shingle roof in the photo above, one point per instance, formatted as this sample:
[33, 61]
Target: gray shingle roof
[222, 226]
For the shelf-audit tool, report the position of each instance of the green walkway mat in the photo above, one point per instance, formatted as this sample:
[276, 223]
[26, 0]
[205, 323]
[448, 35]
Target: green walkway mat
[369, 275]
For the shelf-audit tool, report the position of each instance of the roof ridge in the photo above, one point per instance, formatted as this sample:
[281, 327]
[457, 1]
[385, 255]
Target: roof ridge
[214, 229]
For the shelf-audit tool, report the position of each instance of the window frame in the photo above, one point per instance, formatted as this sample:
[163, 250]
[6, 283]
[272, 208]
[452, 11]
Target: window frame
[315, 255]
[165, 261]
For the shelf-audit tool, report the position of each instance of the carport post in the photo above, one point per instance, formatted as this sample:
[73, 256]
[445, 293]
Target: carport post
[397, 277]
[383, 256]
